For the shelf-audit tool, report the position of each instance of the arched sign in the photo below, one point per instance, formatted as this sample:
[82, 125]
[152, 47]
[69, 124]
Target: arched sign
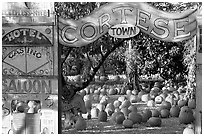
[172, 27]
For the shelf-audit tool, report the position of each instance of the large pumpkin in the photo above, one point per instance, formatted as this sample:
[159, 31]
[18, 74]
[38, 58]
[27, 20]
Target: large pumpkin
[113, 116]
[186, 116]
[154, 122]
[165, 113]
[132, 108]
[128, 123]
[102, 116]
[166, 105]
[147, 112]
[125, 111]
[119, 118]
[182, 102]
[80, 124]
[155, 113]
[135, 117]
[174, 111]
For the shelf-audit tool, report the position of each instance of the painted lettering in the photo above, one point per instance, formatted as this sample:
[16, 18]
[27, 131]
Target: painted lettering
[104, 21]
[31, 86]
[122, 11]
[23, 32]
[160, 25]
[142, 19]
[67, 34]
[180, 28]
[88, 31]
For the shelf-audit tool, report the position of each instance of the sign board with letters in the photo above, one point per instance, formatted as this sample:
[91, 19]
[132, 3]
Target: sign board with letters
[29, 68]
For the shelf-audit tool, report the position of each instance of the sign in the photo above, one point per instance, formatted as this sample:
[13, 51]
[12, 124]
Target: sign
[123, 31]
[27, 61]
[28, 12]
[20, 86]
[171, 27]
[26, 36]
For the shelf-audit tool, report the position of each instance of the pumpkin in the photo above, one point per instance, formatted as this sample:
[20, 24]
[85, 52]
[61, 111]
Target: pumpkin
[154, 122]
[80, 123]
[188, 131]
[150, 103]
[124, 104]
[145, 97]
[125, 111]
[192, 103]
[166, 105]
[144, 117]
[102, 116]
[109, 111]
[120, 118]
[103, 91]
[158, 99]
[133, 108]
[127, 123]
[112, 91]
[135, 92]
[163, 95]
[186, 115]
[94, 112]
[122, 98]
[155, 113]
[134, 98]
[140, 94]
[113, 116]
[128, 92]
[155, 90]
[135, 117]
[100, 106]
[182, 102]
[171, 89]
[174, 111]
[117, 103]
[147, 113]
[165, 113]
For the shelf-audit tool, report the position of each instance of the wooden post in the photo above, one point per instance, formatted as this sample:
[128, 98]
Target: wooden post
[198, 114]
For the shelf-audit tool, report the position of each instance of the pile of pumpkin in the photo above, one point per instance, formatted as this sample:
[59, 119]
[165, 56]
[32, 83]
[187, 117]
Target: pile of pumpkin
[120, 111]
[162, 102]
